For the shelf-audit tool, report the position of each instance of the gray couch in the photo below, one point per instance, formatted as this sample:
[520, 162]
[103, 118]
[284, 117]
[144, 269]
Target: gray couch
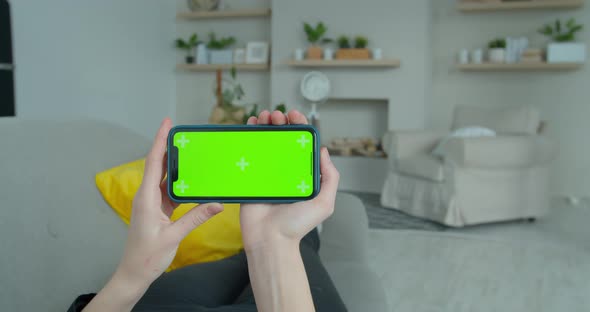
[59, 238]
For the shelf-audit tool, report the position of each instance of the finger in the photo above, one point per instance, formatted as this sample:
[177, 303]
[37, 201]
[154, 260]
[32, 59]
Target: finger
[297, 118]
[195, 217]
[153, 164]
[330, 179]
[264, 118]
[168, 205]
[252, 120]
[278, 118]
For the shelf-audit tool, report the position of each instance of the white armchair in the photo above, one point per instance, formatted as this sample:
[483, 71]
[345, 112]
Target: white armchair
[477, 180]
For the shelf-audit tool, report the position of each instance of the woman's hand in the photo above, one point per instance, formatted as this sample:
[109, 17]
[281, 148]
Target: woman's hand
[262, 223]
[271, 235]
[153, 238]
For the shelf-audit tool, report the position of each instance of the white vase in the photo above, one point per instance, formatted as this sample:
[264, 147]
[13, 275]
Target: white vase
[566, 52]
[201, 54]
[221, 56]
[299, 54]
[497, 56]
[477, 56]
[377, 54]
[328, 54]
[463, 56]
[239, 56]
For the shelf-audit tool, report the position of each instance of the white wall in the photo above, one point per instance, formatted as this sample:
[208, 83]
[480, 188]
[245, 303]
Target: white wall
[107, 59]
[561, 97]
[401, 28]
[194, 90]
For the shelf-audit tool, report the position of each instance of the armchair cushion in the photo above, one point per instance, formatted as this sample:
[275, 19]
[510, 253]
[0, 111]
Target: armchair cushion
[400, 144]
[468, 132]
[424, 166]
[502, 152]
[504, 120]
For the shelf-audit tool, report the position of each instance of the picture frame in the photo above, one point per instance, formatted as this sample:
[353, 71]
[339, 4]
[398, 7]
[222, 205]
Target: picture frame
[257, 52]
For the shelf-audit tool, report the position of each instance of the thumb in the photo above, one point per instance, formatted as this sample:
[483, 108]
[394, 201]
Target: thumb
[195, 217]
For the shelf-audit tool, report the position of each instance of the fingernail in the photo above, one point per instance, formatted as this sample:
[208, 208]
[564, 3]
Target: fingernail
[214, 209]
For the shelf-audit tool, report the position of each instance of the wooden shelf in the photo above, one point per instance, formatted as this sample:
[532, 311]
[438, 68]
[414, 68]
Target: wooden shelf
[345, 63]
[224, 14]
[212, 67]
[486, 67]
[469, 7]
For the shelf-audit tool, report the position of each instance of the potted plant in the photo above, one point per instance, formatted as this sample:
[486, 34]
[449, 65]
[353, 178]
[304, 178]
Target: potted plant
[497, 51]
[189, 46]
[563, 47]
[315, 36]
[219, 52]
[348, 52]
[229, 93]
[254, 111]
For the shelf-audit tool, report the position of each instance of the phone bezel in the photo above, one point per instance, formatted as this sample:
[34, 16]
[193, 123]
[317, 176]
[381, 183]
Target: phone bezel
[233, 128]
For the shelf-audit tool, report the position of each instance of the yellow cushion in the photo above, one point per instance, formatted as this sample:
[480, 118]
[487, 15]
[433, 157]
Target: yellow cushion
[218, 238]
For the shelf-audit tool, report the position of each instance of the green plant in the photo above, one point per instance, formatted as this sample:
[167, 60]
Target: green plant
[254, 111]
[281, 108]
[343, 42]
[232, 90]
[221, 43]
[558, 33]
[316, 34]
[360, 42]
[497, 44]
[187, 45]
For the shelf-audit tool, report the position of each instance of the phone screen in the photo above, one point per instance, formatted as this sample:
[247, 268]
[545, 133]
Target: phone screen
[243, 163]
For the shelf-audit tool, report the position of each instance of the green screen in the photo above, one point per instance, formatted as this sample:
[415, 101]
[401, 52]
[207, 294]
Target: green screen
[244, 164]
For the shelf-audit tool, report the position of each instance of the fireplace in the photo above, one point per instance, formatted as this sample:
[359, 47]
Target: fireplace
[355, 119]
[353, 127]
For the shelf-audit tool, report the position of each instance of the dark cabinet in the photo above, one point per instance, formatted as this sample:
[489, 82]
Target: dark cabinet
[6, 65]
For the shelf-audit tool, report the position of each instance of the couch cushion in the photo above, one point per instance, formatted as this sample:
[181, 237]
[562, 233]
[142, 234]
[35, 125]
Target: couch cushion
[504, 120]
[425, 166]
[58, 237]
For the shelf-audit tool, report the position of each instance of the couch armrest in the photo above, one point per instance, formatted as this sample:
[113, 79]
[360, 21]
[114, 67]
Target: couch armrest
[404, 143]
[499, 152]
[345, 234]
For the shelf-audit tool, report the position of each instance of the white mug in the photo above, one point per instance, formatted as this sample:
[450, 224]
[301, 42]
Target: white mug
[477, 56]
[464, 56]
[299, 54]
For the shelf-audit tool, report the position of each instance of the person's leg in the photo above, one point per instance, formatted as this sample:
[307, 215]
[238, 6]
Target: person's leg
[209, 284]
[324, 293]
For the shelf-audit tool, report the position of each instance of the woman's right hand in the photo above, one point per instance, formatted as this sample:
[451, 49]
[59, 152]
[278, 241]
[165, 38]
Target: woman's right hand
[152, 238]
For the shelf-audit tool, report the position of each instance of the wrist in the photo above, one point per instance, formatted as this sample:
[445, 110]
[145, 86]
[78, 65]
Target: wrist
[127, 287]
[270, 242]
[119, 294]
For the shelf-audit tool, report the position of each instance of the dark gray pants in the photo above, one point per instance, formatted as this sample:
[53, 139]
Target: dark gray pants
[225, 285]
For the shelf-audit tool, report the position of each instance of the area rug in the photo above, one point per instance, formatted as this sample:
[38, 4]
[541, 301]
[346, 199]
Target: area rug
[424, 271]
[386, 218]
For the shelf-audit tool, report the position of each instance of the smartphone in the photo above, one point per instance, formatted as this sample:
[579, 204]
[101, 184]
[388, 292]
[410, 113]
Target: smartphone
[243, 164]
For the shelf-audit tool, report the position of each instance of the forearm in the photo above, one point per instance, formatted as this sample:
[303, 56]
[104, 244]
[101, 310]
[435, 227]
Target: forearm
[278, 277]
[118, 295]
